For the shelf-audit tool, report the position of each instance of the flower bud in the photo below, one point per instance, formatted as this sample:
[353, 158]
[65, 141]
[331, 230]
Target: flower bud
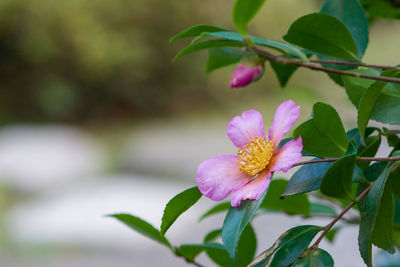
[245, 74]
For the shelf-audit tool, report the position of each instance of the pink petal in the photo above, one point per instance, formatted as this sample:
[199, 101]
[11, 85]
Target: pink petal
[289, 154]
[244, 75]
[242, 129]
[253, 190]
[285, 116]
[219, 176]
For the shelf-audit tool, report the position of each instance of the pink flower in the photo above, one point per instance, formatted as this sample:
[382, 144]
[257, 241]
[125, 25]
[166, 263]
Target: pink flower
[248, 174]
[246, 74]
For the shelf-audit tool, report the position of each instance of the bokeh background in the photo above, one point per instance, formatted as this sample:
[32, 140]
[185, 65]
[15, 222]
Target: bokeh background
[95, 119]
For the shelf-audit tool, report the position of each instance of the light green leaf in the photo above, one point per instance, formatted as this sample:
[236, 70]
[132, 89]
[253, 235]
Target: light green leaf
[236, 221]
[298, 204]
[289, 246]
[323, 134]
[244, 11]
[323, 34]
[142, 227]
[195, 31]
[178, 205]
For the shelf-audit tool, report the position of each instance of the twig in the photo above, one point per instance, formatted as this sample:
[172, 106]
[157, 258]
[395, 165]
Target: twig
[355, 64]
[337, 218]
[392, 132]
[312, 66]
[358, 159]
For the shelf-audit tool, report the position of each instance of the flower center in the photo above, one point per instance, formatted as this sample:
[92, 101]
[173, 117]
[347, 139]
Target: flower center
[254, 157]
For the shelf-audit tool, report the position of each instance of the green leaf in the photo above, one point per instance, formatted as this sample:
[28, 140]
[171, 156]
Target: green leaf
[372, 145]
[298, 204]
[236, 221]
[277, 45]
[223, 206]
[373, 206]
[247, 247]
[215, 251]
[221, 56]
[322, 209]
[178, 205]
[323, 34]
[190, 252]
[330, 236]
[352, 15]
[289, 246]
[206, 45]
[381, 9]
[366, 106]
[195, 31]
[142, 227]
[395, 178]
[315, 258]
[338, 179]
[323, 134]
[307, 178]
[283, 72]
[212, 236]
[244, 11]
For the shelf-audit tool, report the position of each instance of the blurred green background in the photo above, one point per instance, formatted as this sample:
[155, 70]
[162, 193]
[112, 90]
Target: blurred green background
[96, 119]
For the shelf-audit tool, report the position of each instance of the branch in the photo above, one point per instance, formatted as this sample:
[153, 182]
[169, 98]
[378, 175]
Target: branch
[392, 132]
[312, 66]
[358, 159]
[337, 218]
[355, 64]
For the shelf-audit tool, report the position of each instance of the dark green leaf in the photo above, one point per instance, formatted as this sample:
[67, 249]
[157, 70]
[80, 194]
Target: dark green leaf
[212, 236]
[236, 221]
[206, 45]
[382, 9]
[366, 106]
[395, 178]
[298, 204]
[221, 56]
[322, 209]
[370, 210]
[323, 34]
[178, 205]
[216, 209]
[190, 251]
[283, 72]
[307, 178]
[374, 170]
[315, 258]
[280, 46]
[247, 247]
[142, 227]
[352, 15]
[372, 144]
[215, 251]
[195, 31]
[244, 11]
[323, 134]
[338, 179]
[287, 248]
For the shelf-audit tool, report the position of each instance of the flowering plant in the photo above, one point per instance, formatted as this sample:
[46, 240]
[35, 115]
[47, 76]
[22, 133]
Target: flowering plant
[343, 174]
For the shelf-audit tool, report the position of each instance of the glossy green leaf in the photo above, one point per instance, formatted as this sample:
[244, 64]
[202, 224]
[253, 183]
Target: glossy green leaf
[247, 247]
[178, 205]
[315, 258]
[141, 226]
[195, 31]
[244, 11]
[323, 134]
[297, 204]
[338, 179]
[277, 45]
[221, 56]
[374, 225]
[307, 178]
[206, 45]
[322, 209]
[236, 221]
[223, 206]
[352, 15]
[366, 106]
[289, 246]
[323, 34]
[283, 72]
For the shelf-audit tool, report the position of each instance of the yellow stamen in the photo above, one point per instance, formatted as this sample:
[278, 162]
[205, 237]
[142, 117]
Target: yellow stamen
[254, 157]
